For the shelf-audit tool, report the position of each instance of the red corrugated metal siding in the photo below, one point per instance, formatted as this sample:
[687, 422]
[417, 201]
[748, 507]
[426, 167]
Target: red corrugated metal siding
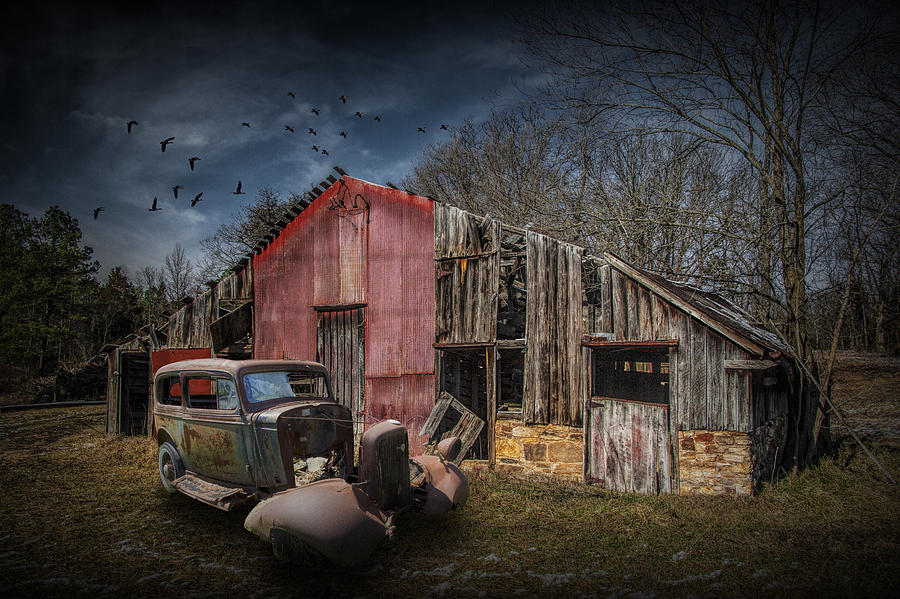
[401, 284]
[161, 357]
[335, 257]
[407, 398]
[316, 260]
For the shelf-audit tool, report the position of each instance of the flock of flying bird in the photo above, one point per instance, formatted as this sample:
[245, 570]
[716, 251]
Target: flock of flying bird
[193, 159]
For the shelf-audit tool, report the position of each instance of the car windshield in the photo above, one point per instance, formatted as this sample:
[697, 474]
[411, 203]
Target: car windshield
[275, 384]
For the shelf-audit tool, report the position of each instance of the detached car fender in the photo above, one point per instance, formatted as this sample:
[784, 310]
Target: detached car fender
[329, 518]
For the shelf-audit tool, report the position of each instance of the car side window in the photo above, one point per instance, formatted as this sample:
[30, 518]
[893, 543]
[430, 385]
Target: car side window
[226, 394]
[208, 392]
[168, 390]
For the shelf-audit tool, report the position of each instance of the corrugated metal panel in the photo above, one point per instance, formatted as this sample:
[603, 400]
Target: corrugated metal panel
[400, 283]
[408, 398]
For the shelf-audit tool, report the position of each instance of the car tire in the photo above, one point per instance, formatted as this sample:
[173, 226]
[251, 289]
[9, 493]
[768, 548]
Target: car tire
[170, 466]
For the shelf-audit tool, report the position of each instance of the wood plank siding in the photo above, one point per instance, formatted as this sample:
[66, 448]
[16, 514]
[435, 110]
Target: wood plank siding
[467, 272]
[554, 373]
[703, 394]
[189, 326]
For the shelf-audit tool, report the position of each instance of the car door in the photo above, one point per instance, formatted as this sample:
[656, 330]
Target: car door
[213, 443]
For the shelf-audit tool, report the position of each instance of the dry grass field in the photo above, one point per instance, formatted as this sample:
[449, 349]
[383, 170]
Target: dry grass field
[82, 514]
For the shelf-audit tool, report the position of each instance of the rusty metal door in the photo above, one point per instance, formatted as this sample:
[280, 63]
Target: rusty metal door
[340, 347]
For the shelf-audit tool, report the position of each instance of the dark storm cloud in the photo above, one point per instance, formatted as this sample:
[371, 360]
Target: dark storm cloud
[73, 76]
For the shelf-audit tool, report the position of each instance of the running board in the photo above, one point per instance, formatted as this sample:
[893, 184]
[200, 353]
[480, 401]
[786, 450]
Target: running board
[219, 495]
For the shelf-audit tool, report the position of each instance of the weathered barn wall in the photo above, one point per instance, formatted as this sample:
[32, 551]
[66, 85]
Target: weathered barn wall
[714, 463]
[467, 264]
[373, 251]
[554, 373]
[400, 330]
[703, 394]
[539, 448]
[189, 326]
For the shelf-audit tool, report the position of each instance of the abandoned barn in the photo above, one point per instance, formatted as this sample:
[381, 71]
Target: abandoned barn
[543, 358]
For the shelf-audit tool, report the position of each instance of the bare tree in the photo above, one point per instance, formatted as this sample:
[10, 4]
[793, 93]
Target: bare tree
[247, 228]
[743, 76]
[178, 274]
[514, 166]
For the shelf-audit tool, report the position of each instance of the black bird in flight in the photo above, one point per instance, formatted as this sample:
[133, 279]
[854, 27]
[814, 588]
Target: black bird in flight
[359, 114]
[344, 134]
[192, 160]
[245, 124]
[378, 118]
[324, 151]
[97, 211]
[196, 199]
[316, 111]
[130, 125]
[315, 148]
[154, 208]
[291, 94]
[312, 131]
[422, 129]
[237, 191]
[289, 128]
[165, 142]
[343, 99]
[175, 190]
[444, 127]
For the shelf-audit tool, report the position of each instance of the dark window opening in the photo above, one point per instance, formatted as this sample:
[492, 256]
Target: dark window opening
[463, 376]
[632, 374]
[510, 382]
[512, 294]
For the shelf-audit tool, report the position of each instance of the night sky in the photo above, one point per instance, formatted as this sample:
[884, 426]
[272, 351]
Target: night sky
[72, 77]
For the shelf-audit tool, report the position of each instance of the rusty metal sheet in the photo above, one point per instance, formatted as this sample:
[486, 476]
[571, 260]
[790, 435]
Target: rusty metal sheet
[161, 357]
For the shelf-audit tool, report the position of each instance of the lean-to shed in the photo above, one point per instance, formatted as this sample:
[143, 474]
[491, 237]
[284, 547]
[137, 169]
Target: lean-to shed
[545, 358]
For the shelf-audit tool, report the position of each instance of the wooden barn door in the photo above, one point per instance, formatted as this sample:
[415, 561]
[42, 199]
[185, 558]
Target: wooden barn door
[340, 346]
[628, 445]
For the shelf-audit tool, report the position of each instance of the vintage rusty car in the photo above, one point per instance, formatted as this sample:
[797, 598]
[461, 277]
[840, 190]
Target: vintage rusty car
[231, 431]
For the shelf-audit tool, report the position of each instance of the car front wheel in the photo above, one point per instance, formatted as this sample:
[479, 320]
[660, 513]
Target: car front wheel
[170, 466]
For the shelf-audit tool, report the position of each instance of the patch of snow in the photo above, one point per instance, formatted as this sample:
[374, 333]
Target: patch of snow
[679, 556]
[149, 578]
[441, 571]
[698, 577]
[762, 572]
[553, 579]
[730, 562]
[490, 558]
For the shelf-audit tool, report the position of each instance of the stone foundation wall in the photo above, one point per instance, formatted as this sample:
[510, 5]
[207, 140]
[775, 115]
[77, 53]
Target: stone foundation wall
[714, 463]
[539, 448]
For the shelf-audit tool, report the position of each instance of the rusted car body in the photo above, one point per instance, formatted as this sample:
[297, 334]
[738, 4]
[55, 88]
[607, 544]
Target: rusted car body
[232, 430]
[270, 430]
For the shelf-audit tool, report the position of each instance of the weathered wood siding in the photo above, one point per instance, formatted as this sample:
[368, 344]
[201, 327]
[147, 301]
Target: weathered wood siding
[554, 373]
[702, 393]
[340, 346]
[189, 326]
[629, 446]
[467, 275]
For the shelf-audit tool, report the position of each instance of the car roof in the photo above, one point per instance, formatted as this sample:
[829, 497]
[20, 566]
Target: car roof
[238, 367]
